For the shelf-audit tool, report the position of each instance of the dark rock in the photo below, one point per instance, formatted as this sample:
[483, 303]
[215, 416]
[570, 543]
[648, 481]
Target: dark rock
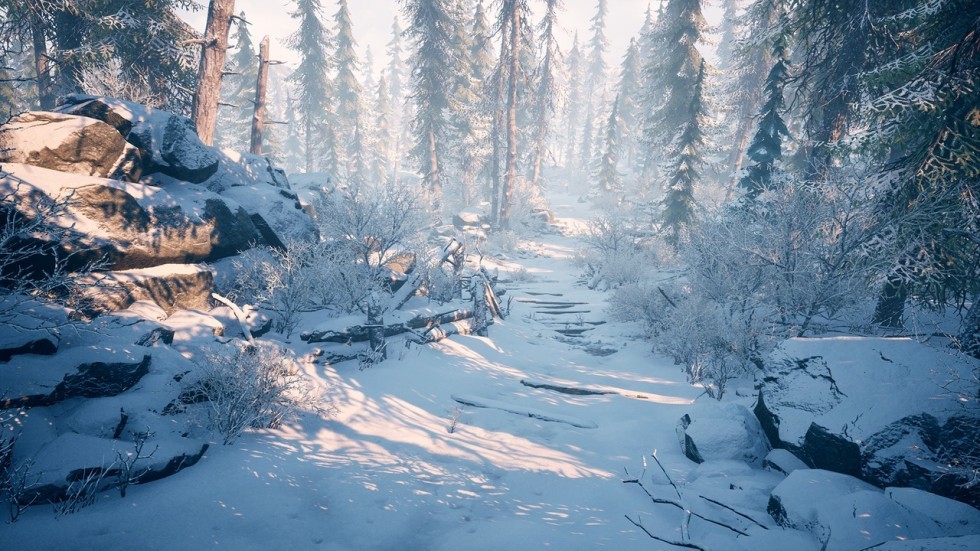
[69, 143]
[45, 345]
[101, 379]
[832, 452]
[168, 143]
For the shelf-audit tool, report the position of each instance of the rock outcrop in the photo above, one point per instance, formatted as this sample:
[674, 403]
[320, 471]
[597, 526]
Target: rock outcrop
[72, 144]
[722, 431]
[168, 143]
[878, 409]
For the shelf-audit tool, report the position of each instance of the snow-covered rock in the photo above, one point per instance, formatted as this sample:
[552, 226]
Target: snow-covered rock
[953, 517]
[782, 461]
[876, 408]
[191, 325]
[722, 431]
[140, 226]
[239, 169]
[69, 143]
[88, 371]
[171, 286]
[168, 143]
[962, 543]
[276, 213]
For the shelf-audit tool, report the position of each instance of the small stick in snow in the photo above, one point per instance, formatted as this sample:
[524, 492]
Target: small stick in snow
[739, 513]
[639, 525]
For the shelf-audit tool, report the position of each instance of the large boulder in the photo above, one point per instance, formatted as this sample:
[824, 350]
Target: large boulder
[90, 371]
[69, 143]
[168, 143]
[879, 409]
[844, 512]
[171, 286]
[276, 213]
[139, 226]
[239, 169]
[722, 431]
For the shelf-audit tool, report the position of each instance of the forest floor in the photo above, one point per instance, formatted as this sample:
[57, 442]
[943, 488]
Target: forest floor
[446, 446]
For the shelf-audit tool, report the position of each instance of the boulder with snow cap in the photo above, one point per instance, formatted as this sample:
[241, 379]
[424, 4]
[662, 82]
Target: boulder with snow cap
[69, 143]
[722, 431]
[168, 142]
[880, 409]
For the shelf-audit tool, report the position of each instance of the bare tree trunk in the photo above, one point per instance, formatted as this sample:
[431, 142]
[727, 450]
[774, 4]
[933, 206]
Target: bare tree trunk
[208, 93]
[511, 175]
[68, 31]
[890, 310]
[45, 89]
[435, 183]
[258, 115]
[738, 155]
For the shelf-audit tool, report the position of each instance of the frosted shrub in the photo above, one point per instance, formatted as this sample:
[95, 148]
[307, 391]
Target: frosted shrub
[254, 387]
[280, 280]
[613, 257]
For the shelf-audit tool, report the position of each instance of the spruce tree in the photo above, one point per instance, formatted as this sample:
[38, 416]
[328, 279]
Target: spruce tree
[628, 105]
[607, 177]
[546, 95]
[766, 147]
[348, 89]
[400, 109]
[310, 78]
[432, 26]
[573, 103]
[684, 164]
[238, 89]
[293, 160]
[595, 83]
[381, 148]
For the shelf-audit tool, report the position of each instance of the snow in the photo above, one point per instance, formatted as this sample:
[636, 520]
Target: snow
[400, 461]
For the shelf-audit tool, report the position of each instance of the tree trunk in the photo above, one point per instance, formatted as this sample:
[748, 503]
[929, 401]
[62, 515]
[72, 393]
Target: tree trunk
[45, 89]
[376, 330]
[208, 93]
[435, 185]
[510, 179]
[258, 115]
[68, 30]
[890, 310]
[308, 138]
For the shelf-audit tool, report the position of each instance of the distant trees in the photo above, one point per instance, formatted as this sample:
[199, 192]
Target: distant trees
[312, 84]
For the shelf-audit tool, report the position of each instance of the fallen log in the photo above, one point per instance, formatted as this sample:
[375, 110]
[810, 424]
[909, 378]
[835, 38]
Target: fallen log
[452, 250]
[362, 333]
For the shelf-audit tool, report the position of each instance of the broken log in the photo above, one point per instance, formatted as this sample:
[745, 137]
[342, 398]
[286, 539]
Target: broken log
[362, 333]
[406, 291]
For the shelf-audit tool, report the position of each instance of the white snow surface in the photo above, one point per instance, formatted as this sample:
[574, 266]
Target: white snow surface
[383, 470]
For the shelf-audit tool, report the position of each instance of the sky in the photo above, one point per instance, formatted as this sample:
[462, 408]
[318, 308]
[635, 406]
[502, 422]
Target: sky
[372, 23]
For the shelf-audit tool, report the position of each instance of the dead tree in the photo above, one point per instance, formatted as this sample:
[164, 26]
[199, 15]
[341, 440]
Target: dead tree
[213, 49]
[258, 115]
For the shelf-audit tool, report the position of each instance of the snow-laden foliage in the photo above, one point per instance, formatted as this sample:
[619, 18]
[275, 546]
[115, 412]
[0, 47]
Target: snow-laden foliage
[255, 387]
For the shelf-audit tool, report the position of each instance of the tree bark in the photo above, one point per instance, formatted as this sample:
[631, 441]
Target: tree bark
[435, 183]
[511, 176]
[258, 115]
[208, 93]
[45, 88]
[68, 31]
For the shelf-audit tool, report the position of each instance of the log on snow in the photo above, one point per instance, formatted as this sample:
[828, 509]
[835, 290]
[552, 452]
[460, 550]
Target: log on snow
[362, 333]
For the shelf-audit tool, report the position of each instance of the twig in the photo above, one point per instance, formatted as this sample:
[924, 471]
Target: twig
[743, 515]
[658, 538]
[671, 302]
[663, 470]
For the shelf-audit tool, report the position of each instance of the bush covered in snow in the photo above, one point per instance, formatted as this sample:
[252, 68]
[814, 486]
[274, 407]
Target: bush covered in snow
[255, 387]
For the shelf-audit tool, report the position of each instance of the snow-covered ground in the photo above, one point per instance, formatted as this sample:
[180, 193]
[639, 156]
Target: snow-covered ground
[463, 444]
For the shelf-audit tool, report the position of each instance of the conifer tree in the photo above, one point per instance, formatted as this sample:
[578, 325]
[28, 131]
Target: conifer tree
[573, 103]
[432, 26]
[628, 105]
[400, 108]
[595, 82]
[310, 77]
[684, 163]
[607, 177]
[293, 159]
[238, 89]
[381, 149]
[766, 147]
[546, 96]
[348, 89]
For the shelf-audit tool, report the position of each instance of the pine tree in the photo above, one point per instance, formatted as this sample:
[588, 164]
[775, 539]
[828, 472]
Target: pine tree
[546, 96]
[238, 89]
[513, 24]
[432, 26]
[653, 42]
[573, 104]
[310, 77]
[400, 109]
[682, 29]
[607, 177]
[595, 84]
[381, 159]
[348, 95]
[628, 105]
[766, 148]
[293, 158]
[684, 163]
[368, 85]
